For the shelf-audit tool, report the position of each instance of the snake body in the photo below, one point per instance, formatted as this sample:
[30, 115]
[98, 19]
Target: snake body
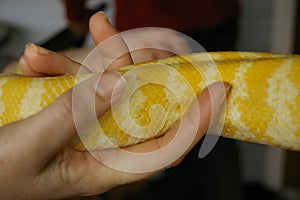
[263, 105]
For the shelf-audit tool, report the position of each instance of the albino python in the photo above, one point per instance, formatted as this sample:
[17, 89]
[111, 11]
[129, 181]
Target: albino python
[263, 105]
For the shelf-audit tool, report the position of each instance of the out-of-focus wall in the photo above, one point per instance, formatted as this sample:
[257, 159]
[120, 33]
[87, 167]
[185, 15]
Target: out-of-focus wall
[31, 20]
[255, 25]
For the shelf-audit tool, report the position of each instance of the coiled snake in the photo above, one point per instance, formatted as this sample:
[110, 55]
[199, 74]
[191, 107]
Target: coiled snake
[263, 105]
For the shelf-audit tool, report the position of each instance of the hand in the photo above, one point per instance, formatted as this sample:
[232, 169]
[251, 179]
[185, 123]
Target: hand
[36, 161]
[152, 43]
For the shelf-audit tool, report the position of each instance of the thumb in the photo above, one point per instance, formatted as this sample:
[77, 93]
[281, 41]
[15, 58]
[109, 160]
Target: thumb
[111, 51]
[52, 128]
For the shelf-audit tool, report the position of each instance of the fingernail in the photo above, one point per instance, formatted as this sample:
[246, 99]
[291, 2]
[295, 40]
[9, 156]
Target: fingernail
[104, 15]
[212, 97]
[227, 88]
[42, 50]
[36, 49]
[23, 62]
[30, 48]
[218, 92]
[110, 86]
[101, 12]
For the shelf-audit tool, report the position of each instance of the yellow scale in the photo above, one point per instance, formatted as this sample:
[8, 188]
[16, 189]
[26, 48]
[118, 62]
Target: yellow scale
[263, 105]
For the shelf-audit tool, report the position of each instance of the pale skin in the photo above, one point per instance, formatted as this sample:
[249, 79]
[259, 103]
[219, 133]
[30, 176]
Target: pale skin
[35, 159]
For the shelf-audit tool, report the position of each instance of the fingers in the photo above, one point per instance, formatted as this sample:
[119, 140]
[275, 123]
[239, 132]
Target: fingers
[101, 28]
[169, 149]
[202, 115]
[177, 43]
[144, 55]
[112, 53]
[153, 43]
[38, 61]
[51, 129]
[111, 47]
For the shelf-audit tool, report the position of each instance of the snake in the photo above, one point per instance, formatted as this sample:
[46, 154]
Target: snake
[263, 105]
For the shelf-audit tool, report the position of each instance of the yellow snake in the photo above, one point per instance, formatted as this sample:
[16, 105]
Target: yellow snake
[263, 105]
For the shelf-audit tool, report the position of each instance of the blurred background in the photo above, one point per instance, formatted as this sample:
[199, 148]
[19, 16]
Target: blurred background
[264, 25]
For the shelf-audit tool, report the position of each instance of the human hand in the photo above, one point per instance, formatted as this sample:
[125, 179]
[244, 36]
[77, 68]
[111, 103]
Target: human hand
[74, 173]
[35, 160]
[152, 43]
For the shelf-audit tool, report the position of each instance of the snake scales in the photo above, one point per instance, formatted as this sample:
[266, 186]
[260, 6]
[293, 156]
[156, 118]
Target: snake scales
[263, 105]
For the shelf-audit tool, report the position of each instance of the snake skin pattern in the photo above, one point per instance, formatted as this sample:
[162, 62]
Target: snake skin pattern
[263, 105]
